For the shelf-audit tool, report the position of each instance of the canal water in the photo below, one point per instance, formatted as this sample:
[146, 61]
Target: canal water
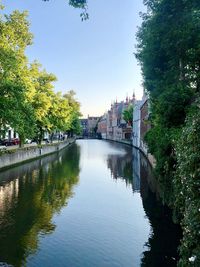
[93, 204]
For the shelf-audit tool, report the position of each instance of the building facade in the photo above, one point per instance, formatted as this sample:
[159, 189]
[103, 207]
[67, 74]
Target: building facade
[117, 128]
[144, 124]
[102, 127]
[89, 126]
[84, 126]
[136, 123]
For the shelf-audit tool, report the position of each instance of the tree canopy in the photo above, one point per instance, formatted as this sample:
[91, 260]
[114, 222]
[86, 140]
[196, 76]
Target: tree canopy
[28, 102]
[82, 4]
[128, 115]
[76, 3]
[169, 51]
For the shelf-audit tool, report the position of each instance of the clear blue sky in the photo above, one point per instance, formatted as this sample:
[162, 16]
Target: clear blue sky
[95, 57]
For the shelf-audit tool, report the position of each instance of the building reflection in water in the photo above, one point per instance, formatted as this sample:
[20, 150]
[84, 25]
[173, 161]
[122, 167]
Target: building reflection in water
[135, 170]
[29, 197]
[8, 193]
[125, 166]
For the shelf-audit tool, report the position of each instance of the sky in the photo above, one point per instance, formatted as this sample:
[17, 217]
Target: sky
[95, 58]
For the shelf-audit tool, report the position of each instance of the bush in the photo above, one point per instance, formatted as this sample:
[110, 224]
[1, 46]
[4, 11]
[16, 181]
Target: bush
[187, 187]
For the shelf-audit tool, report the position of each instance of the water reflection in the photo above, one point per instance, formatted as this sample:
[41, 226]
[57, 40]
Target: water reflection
[125, 166]
[165, 236]
[107, 223]
[121, 165]
[29, 197]
[161, 248]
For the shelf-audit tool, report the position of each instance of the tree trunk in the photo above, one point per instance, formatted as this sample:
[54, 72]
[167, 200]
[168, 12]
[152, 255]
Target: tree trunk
[41, 136]
[181, 73]
[21, 140]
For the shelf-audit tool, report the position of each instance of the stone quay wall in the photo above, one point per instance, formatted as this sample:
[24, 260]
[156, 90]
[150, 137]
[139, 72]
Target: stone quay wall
[150, 157]
[18, 155]
[126, 142]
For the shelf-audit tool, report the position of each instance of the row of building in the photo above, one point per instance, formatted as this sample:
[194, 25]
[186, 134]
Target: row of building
[141, 125]
[112, 126]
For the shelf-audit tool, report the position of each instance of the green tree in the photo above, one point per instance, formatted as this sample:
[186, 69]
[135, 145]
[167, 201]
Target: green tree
[82, 4]
[41, 98]
[27, 99]
[76, 3]
[60, 113]
[187, 186]
[128, 115]
[75, 127]
[169, 51]
[15, 110]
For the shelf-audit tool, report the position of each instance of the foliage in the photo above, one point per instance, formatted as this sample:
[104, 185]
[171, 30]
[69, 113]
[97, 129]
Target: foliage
[82, 4]
[41, 99]
[76, 3]
[128, 115]
[28, 102]
[169, 51]
[187, 187]
[75, 126]
[14, 109]
[60, 113]
[169, 56]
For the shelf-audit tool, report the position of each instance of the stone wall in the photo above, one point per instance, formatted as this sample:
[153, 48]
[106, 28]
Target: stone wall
[18, 155]
[126, 142]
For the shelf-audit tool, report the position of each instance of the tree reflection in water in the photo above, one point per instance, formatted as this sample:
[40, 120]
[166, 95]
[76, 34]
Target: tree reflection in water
[29, 197]
[161, 248]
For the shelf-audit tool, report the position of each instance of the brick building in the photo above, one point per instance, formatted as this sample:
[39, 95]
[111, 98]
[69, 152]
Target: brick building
[102, 127]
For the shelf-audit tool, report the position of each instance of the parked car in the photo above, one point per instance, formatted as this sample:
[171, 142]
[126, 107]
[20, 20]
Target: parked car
[10, 142]
[34, 140]
[6, 142]
[15, 141]
[28, 141]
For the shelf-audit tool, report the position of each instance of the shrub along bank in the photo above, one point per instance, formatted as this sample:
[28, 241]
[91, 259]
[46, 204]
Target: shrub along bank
[169, 52]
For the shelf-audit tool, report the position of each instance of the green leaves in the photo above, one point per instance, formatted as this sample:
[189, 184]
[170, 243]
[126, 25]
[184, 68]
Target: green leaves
[169, 52]
[187, 186]
[82, 4]
[75, 126]
[128, 115]
[78, 3]
[27, 99]
[14, 109]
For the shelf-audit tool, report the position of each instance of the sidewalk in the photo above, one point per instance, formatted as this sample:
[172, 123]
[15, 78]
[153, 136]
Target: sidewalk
[29, 145]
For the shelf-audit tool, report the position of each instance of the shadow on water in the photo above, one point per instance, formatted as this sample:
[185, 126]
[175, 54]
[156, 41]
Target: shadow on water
[30, 195]
[165, 237]
[161, 248]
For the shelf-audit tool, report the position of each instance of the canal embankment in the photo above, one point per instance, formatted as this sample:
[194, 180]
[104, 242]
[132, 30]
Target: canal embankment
[18, 155]
[126, 142]
[143, 150]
